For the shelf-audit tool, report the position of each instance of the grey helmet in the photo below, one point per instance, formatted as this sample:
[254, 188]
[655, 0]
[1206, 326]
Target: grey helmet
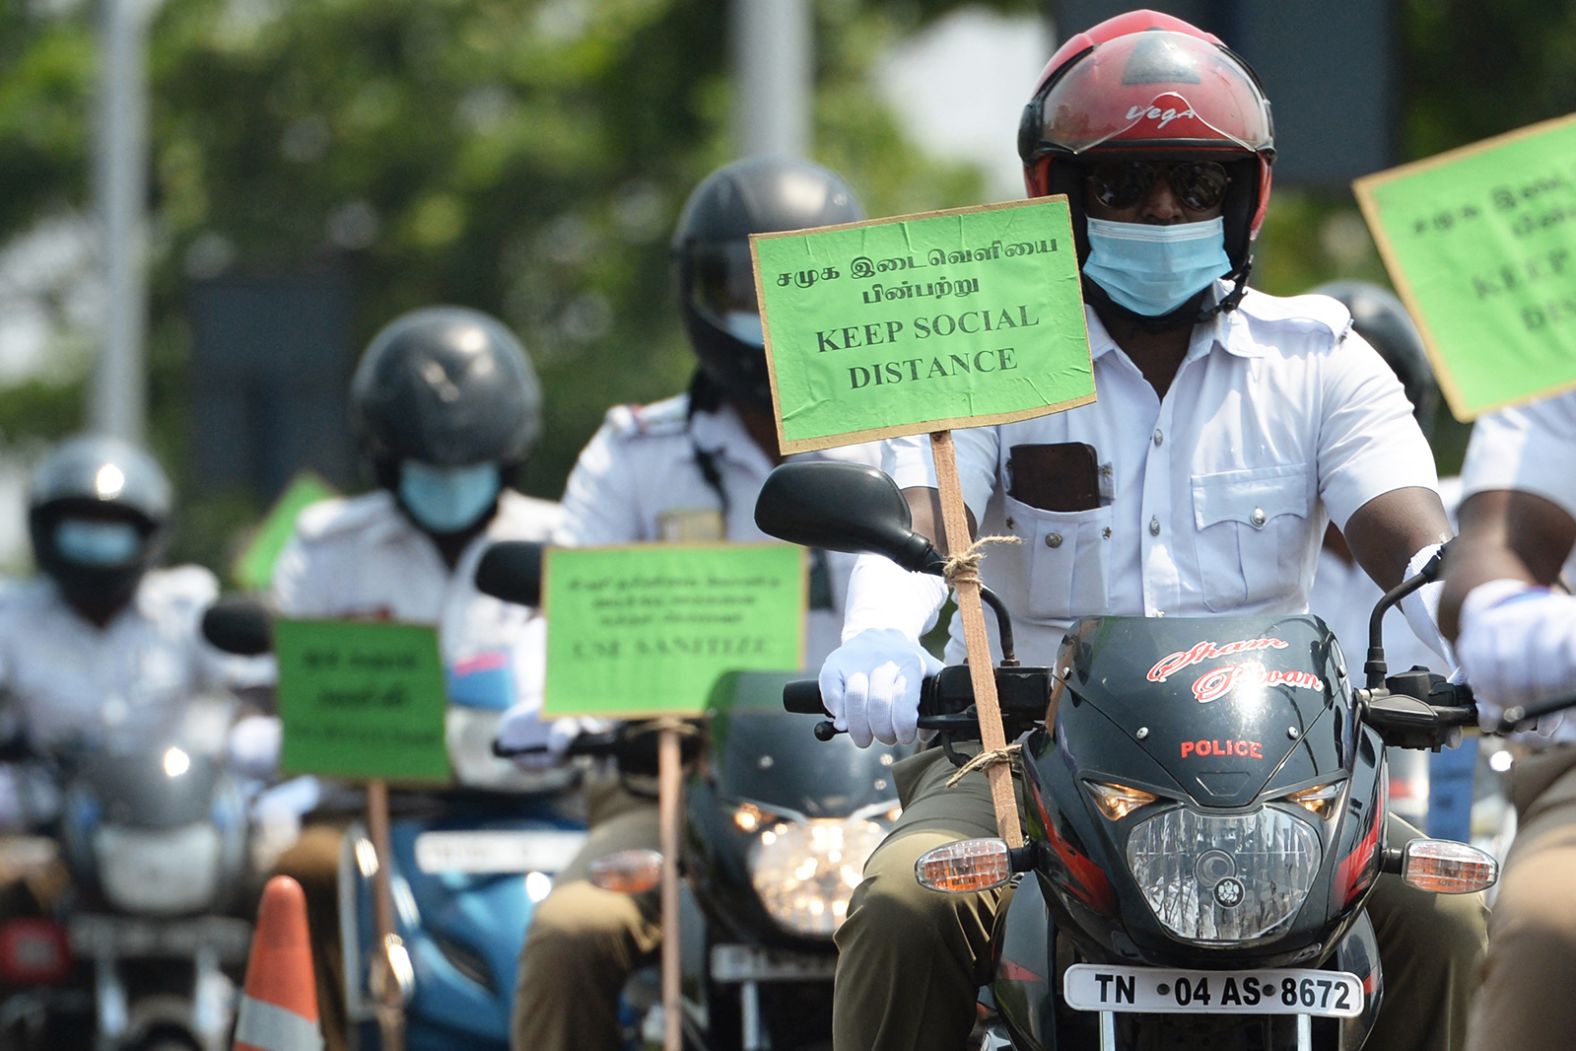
[448, 386]
[711, 258]
[98, 477]
[1381, 319]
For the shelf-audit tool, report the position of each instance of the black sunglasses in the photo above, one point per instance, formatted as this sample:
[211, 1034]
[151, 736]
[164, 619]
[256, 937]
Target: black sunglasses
[1200, 185]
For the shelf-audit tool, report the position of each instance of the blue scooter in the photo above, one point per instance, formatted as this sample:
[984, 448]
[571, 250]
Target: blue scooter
[468, 865]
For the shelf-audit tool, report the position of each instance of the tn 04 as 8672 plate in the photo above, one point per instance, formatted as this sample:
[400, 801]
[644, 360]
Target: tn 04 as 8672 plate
[1154, 990]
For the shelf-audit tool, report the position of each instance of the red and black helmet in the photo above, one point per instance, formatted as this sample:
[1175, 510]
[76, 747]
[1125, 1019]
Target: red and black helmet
[1144, 84]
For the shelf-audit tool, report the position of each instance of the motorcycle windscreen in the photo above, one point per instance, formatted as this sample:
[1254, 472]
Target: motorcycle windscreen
[1223, 704]
[761, 753]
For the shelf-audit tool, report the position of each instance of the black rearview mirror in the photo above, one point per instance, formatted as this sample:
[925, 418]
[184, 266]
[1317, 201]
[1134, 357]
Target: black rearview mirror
[239, 625]
[511, 570]
[843, 507]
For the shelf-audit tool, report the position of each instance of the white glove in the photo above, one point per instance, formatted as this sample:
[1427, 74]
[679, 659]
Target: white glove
[523, 727]
[870, 686]
[252, 748]
[1517, 645]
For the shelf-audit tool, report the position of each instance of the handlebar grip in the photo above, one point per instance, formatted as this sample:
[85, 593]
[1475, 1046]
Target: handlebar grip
[803, 697]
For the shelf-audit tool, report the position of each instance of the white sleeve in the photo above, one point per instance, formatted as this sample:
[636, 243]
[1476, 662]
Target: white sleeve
[599, 499]
[1369, 442]
[1528, 448]
[908, 460]
[297, 583]
[881, 594]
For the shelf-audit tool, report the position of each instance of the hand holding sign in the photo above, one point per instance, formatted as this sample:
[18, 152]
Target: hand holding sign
[920, 324]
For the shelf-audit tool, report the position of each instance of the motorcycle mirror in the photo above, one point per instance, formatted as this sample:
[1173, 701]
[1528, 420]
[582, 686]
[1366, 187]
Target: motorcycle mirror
[511, 570]
[843, 507]
[239, 625]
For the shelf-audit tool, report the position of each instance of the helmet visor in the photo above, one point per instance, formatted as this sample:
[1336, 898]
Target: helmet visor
[722, 288]
[1156, 90]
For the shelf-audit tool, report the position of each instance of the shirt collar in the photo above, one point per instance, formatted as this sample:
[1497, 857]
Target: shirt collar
[1227, 330]
[722, 434]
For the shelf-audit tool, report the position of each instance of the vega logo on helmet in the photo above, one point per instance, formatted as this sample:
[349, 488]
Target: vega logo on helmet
[1162, 110]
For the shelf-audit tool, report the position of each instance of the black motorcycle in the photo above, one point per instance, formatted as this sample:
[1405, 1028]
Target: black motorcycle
[776, 832]
[1205, 811]
[145, 949]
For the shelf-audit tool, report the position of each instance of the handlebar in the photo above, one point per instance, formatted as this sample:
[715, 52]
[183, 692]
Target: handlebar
[946, 701]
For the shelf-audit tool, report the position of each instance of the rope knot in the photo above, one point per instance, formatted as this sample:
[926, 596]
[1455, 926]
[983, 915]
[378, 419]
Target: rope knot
[983, 760]
[965, 565]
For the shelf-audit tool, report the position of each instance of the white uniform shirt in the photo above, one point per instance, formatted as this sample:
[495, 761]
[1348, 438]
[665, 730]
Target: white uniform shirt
[125, 686]
[639, 479]
[1530, 448]
[361, 558]
[1216, 498]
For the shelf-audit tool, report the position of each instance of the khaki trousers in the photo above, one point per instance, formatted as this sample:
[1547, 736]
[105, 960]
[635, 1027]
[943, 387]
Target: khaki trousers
[911, 960]
[1528, 997]
[584, 941]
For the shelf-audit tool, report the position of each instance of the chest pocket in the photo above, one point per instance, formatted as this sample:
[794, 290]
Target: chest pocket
[1064, 563]
[1252, 532]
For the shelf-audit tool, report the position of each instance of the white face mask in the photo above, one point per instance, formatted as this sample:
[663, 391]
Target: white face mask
[448, 499]
[1151, 269]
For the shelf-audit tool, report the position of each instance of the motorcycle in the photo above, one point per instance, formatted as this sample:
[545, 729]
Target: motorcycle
[468, 865]
[776, 832]
[146, 945]
[1205, 810]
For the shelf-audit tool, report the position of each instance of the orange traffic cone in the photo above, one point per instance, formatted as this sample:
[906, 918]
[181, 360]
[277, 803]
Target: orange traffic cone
[279, 1005]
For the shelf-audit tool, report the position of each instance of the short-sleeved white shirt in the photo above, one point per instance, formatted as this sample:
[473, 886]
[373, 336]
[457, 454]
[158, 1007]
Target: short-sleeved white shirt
[640, 479]
[1530, 448]
[124, 686]
[361, 558]
[1215, 499]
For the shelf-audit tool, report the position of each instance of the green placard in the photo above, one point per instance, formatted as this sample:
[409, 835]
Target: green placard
[640, 631]
[361, 700]
[923, 323]
[1481, 244]
[253, 569]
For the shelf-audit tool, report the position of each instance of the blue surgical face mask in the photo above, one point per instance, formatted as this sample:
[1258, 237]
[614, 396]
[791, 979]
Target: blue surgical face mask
[95, 543]
[1152, 270]
[447, 499]
[745, 326]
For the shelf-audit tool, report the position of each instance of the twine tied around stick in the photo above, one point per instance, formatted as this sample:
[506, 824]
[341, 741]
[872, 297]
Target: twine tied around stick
[983, 760]
[965, 565]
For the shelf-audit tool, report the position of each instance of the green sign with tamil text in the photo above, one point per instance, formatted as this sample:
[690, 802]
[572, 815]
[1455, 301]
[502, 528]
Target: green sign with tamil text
[923, 323]
[361, 700]
[648, 630]
[1481, 244]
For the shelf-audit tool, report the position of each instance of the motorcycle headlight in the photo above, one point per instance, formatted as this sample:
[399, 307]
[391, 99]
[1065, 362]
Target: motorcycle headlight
[159, 871]
[805, 871]
[1224, 879]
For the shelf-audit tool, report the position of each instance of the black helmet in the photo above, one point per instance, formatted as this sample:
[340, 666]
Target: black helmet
[447, 386]
[711, 258]
[1381, 319]
[97, 479]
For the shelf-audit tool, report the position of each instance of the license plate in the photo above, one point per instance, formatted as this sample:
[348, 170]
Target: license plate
[95, 935]
[1329, 994]
[748, 963]
[486, 853]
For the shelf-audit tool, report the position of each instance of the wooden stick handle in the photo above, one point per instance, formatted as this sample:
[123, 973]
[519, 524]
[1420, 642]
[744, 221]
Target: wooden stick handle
[391, 1003]
[670, 793]
[982, 673]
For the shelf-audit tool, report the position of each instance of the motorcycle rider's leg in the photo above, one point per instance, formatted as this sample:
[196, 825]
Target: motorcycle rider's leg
[313, 861]
[1431, 948]
[1528, 997]
[910, 960]
[584, 941]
